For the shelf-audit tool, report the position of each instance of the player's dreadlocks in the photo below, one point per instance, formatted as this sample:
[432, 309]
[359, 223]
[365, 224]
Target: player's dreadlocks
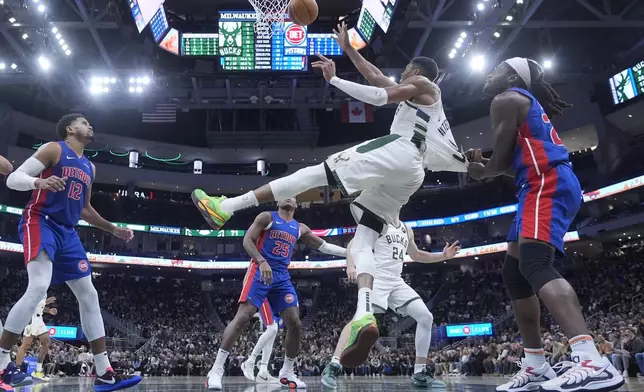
[549, 99]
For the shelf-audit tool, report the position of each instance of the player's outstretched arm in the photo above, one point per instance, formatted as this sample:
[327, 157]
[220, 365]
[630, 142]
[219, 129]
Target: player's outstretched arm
[25, 178]
[315, 242]
[260, 224]
[505, 115]
[5, 166]
[368, 70]
[420, 256]
[91, 216]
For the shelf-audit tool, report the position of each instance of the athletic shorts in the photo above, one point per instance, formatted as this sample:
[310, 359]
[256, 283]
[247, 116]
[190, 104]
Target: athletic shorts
[62, 245]
[267, 316]
[547, 206]
[388, 170]
[278, 295]
[35, 329]
[394, 294]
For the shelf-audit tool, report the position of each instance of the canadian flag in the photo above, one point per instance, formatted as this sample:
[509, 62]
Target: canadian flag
[356, 112]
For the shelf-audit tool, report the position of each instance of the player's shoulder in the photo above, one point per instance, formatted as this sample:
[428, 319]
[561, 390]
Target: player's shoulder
[509, 98]
[264, 217]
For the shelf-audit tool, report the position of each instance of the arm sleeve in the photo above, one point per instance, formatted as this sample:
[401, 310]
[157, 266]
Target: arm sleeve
[24, 178]
[331, 249]
[376, 96]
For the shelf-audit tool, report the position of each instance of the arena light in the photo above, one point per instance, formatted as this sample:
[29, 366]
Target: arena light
[134, 159]
[463, 34]
[25, 36]
[14, 66]
[519, 1]
[44, 63]
[54, 29]
[58, 36]
[509, 18]
[452, 55]
[197, 167]
[42, 8]
[480, 6]
[547, 63]
[497, 34]
[2, 66]
[458, 44]
[478, 62]
[68, 52]
[12, 20]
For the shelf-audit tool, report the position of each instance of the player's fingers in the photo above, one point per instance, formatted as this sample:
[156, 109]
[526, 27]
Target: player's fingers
[323, 58]
[456, 243]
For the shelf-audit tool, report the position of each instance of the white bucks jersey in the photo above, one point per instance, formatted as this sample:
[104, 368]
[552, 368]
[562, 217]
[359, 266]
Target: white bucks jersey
[428, 124]
[390, 251]
[37, 316]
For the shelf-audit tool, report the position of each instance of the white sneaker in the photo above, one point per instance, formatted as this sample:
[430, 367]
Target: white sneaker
[291, 381]
[264, 377]
[625, 374]
[528, 378]
[214, 379]
[248, 368]
[587, 375]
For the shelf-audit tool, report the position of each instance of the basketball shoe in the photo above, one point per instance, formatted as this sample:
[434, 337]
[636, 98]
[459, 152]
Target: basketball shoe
[528, 378]
[214, 379]
[111, 381]
[330, 375]
[586, 375]
[290, 380]
[14, 377]
[425, 379]
[364, 334]
[40, 376]
[5, 387]
[248, 368]
[264, 377]
[210, 208]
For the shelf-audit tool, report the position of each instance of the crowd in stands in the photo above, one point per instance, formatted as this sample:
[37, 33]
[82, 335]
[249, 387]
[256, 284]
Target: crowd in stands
[183, 323]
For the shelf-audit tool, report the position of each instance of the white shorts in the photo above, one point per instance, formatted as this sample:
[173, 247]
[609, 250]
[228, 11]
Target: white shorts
[35, 329]
[394, 294]
[388, 170]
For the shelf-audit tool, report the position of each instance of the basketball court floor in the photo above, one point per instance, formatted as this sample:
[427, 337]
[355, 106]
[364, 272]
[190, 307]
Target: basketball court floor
[239, 384]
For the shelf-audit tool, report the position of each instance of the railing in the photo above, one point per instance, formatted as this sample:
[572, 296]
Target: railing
[133, 333]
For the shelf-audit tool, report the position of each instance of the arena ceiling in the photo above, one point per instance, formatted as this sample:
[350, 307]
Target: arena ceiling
[584, 39]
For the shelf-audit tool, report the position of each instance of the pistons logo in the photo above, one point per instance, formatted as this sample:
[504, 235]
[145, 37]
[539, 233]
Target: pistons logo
[295, 34]
[83, 266]
[289, 298]
[555, 137]
[52, 331]
[467, 330]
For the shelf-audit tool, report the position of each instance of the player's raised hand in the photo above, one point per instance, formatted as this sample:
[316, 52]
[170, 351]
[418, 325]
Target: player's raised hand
[342, 36]
[352, 275]
[124, 234]
[53, 311]
[52, 183]
[450, 251]
[326, 65]
[50, 300]
[266, 273]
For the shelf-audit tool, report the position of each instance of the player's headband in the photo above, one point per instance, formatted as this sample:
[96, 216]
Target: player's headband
[522, 68]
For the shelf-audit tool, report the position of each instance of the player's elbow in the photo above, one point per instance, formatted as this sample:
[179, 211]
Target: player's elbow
[5, 167]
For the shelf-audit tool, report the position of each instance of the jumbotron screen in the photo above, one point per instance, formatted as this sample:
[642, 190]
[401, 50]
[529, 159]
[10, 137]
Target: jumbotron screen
[627, 84]
[242, 49]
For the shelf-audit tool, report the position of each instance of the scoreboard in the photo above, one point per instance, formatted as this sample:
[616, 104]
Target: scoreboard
[628, 84]
[159, 24]
[199, 44]
[324, 44]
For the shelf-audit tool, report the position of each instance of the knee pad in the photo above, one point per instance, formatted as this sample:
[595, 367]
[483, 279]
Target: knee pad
[517, 286]
[536, 264]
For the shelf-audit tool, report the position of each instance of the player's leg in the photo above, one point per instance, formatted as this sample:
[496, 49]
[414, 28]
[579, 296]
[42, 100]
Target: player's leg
[291, 317]
[44, 340]
[27, 341]
[264, 346]
[333, 369]
[39, 271]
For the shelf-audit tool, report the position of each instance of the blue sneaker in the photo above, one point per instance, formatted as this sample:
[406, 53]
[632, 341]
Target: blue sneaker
[14, 377]
[111, 381]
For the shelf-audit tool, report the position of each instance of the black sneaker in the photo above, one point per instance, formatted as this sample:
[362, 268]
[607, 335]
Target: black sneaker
[111, 381]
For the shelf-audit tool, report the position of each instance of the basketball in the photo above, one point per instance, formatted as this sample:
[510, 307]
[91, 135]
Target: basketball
[303, 12]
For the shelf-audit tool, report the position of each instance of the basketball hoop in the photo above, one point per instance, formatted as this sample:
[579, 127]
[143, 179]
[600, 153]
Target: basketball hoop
[270, 16]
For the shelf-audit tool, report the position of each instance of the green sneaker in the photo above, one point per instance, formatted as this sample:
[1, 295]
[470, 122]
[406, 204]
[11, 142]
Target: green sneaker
[330, 375]
[425, 380]
[364, 334]
[210, 208]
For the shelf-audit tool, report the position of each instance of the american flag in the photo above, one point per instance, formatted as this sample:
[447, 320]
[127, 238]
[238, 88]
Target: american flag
[163, 113]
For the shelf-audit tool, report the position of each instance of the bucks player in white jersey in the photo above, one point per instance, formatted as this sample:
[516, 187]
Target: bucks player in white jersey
[37, 329]
[386, 170]
[391, 291]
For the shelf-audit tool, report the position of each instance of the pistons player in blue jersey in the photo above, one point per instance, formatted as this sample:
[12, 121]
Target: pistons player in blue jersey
[527, 147]
[60, 178]
[270, 242]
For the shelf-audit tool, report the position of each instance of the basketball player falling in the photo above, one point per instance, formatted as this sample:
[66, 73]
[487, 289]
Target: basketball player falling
[391, 291]
[37, 329]
[528, 147]
[270, 242]
[264, 345]
[61, 178]
[388, 170]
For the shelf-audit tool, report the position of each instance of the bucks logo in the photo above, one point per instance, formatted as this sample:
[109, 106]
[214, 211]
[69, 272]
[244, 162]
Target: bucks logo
[230, 39]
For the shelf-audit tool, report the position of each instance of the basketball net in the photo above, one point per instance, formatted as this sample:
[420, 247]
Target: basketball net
[270, 16]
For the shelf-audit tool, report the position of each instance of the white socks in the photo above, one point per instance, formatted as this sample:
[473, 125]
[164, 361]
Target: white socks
[584, 346]
[220, 360]
[335, 360]
[102, 363]
[364, 303]
[239, 203]
[534, 357]
[298, 182]
[288, 365]
[418, 368]
[4, 359]
[39, 367]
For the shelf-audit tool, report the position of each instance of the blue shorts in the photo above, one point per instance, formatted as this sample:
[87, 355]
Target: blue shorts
[547, 206]
[61, 243]
[273, 298]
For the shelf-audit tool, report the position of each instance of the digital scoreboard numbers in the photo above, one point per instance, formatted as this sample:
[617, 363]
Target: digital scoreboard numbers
[323, 44]
[237, 45]
[366, 24]
[199, 44]
[159, 24]
[628, 84]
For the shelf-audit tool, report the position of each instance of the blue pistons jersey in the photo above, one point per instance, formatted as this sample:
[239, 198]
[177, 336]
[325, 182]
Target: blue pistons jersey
[276, 244]
[48, 222]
